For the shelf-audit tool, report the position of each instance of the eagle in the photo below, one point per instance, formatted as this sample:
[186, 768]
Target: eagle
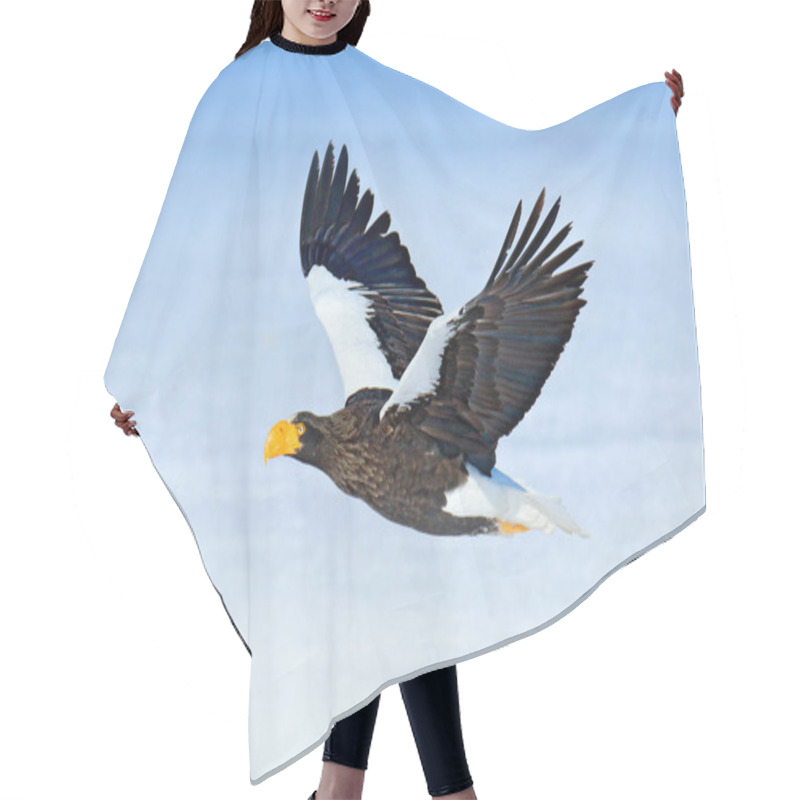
[429, 394]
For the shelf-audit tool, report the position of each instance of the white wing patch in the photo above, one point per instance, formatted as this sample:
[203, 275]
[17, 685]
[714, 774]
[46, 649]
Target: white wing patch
[343, 311]
[422, 373]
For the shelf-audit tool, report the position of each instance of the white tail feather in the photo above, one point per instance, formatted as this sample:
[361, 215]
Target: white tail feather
[507, 499]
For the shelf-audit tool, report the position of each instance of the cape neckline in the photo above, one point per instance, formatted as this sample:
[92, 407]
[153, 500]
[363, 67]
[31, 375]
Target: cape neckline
[308, 49]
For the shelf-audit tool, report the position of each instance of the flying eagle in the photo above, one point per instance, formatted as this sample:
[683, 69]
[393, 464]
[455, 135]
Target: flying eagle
[429, 395]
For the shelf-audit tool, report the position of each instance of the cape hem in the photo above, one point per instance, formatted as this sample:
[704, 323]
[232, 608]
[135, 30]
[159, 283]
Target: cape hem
[452, 661]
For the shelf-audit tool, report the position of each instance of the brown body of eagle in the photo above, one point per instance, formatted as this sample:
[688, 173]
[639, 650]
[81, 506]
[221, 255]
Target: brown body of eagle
[390, 464]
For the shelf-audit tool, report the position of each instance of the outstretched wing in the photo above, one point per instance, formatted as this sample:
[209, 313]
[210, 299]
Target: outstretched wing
[373, 306]
[481, 368]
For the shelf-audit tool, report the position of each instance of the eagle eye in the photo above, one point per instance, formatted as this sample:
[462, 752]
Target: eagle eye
[301, 428]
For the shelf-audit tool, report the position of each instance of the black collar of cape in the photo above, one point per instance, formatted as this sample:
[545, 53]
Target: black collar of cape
[308, 49]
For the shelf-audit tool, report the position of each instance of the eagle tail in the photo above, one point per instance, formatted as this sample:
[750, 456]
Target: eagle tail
[533, 509]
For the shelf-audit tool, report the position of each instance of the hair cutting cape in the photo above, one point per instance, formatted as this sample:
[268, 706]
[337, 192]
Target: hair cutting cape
[410, 413]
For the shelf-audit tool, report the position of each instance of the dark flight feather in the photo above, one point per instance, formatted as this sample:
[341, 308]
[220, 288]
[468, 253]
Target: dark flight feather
[505, 342]
[334, 235]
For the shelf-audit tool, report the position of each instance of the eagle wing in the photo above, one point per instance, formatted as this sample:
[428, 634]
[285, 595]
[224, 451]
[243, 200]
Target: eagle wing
[481, 368]
[364, 289]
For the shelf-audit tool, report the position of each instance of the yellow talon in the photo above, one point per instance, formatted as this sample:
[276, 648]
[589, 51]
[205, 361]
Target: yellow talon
[512, 527]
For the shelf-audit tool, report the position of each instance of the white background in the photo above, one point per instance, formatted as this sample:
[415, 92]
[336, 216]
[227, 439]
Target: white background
[121, 674]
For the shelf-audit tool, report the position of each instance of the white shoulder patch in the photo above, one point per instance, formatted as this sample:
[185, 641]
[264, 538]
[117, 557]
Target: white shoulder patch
[343, 311]
[422, 374]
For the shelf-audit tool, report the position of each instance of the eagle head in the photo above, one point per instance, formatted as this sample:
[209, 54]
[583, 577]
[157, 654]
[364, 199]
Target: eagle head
[298, 437]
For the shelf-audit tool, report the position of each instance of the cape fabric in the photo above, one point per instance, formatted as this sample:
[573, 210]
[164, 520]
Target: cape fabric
[410, 414]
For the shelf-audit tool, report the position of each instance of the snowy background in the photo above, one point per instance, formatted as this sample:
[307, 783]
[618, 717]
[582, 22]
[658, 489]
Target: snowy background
[121, 673]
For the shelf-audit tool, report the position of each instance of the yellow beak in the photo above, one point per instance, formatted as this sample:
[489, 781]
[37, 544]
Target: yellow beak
[282, 440]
